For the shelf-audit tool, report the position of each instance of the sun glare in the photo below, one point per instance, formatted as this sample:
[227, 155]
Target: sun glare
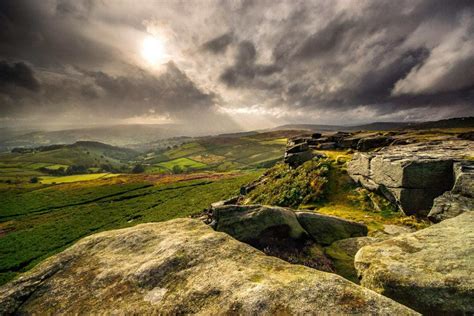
[153, 50]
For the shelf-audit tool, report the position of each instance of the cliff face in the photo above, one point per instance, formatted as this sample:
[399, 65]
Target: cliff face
[182, 267]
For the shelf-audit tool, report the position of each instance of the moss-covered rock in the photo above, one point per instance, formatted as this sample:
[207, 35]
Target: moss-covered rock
[326, 229]
[182, 267]
[431, 270]
[251, 223]
[342, 253]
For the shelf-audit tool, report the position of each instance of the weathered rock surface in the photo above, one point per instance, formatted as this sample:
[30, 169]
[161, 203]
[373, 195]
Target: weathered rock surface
[342, 253]
[411, 175]
[460, 199]
[182, 267]
[368, 143]
[431, 270]
[450, 205]
[298, 151]
[251, 223]
[297, 159]
[326, 229]
[464, 178]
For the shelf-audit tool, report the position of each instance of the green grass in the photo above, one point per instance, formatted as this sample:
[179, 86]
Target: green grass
[183, 163]
[278, 141]
[56, 167]
[76, 178]
[185, 150]
[36, 224]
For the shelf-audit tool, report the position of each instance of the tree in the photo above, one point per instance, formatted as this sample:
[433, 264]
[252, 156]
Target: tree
[34, 180]
[138, 169]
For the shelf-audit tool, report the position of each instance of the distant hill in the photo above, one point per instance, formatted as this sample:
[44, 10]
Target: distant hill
[87, 153]
[118, 135]
[310, 127]
[461, 122]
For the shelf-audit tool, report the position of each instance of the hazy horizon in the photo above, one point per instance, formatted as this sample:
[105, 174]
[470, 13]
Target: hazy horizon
[227, 66]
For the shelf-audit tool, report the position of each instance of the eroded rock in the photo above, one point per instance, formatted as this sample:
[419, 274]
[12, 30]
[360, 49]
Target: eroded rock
[368, 143]
[252, 223]
[182, 267]
[326, 229]
[412, 176]
[431, 270]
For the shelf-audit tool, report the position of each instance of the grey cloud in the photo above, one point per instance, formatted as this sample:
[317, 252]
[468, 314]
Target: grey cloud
[245, 68]
[285, 57]
[18, 74]
[219, 44]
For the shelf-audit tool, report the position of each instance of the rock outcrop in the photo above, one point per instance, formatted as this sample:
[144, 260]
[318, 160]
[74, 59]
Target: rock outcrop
[326, 229]
[254, 223]
[460, 199]
[297, 152]
[342, 252]
[182, 267]
[431, 270]
[412, 176]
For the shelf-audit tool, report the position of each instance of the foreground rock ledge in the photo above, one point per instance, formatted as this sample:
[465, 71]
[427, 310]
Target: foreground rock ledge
[182, 267]
[431, 270]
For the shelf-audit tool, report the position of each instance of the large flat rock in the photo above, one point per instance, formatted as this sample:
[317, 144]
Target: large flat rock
[182, 267]
[431, 270]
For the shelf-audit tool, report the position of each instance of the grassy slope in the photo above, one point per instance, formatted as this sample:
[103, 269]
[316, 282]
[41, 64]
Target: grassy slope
[221, 153]
[35, 224]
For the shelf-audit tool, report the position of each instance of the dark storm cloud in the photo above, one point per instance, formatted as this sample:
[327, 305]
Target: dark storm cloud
[48, 33]
[17, 74]
[344, 59]
[384, 55]
[219, 44]
[171, 92]
[245, 68]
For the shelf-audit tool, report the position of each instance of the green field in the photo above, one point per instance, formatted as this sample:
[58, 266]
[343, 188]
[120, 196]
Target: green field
[45, 206]
[183, 163]
[35, 224]
[76, 178]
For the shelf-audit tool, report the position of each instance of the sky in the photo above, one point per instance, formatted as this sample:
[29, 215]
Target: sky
[230, 65]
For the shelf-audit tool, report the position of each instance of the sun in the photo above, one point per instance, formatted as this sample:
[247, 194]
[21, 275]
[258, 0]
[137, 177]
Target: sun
[153, 50]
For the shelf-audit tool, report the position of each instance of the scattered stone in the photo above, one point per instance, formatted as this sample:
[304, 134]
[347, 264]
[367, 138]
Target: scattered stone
[327, 146]
[297, 159]
[350, 142]
[431, 270]
[326, 229]
[337, 137]
[366, 144]
[297, 148]
[467, 135]
[231, 201]
[182, 267]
